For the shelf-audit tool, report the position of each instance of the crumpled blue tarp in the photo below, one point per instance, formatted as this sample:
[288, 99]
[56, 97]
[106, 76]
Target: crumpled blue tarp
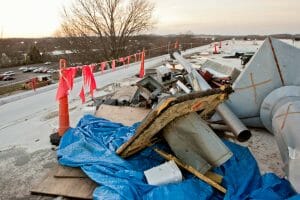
[92, 145]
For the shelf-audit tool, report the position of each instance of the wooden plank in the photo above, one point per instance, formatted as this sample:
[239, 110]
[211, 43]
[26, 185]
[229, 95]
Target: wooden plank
[122, 114]
[167, 111]
[81, 188]
[125, 93]
[215, 177]
[69, 172]
[191, 170]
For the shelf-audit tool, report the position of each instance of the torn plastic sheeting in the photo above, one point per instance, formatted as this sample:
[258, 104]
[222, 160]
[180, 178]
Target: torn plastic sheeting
[92, 144]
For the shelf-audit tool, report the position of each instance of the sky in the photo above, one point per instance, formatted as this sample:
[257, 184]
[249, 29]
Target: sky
[41, 18]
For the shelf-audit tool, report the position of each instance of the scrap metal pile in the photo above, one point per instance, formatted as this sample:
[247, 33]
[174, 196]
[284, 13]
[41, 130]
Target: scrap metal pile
[182, 102]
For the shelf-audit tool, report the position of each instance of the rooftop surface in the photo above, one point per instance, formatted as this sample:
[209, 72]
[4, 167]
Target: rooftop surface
[27, 120]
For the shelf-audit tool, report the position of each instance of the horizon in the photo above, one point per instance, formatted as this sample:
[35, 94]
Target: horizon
[40, 19]
[162, 35]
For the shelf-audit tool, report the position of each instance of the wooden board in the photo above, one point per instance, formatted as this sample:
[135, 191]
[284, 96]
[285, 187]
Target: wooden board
[126, 93]
[122, 114]
[81, 188]
[69, 172]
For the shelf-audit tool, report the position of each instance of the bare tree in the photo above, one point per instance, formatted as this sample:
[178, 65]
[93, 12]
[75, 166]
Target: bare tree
[107, 23]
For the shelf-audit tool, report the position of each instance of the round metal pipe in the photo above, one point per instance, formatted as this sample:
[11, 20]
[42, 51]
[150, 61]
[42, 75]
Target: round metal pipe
[219, 127]
[237, 127]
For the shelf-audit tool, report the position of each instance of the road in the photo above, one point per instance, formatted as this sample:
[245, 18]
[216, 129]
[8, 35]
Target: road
[22, 77]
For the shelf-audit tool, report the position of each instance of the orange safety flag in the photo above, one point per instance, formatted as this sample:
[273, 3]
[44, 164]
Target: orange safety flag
[122, 60]
[176, 46]
[93, 85]
[63, 87]
[128, 60]
[70, 76]
[88, 80]
[142, 69]
[66, 81]
[135, 57]
[216, 50]
[81, 94]
[93, 66]
[103, 66]
[33, 83]
[113, 65]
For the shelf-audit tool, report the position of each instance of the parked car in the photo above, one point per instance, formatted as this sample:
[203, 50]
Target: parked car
[8, 78]
[51, 71]
[9, 73]
[22, 68]
[25, 70]
[47, 63]
[44, 70]
[32, 68]
[38, 70]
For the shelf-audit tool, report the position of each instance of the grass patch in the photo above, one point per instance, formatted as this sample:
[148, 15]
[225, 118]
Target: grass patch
[11, 88]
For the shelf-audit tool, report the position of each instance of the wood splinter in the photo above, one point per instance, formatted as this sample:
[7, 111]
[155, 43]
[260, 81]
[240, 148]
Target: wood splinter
[190, 169]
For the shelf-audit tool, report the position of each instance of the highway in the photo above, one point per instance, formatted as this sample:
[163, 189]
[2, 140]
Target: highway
[21, 77]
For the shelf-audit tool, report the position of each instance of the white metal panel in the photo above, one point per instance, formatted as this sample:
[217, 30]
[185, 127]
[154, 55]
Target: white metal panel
[262, 75]
[289, 61]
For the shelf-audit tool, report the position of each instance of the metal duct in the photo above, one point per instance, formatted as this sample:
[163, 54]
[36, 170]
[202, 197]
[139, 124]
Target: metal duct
[198, 83]
[280, 113]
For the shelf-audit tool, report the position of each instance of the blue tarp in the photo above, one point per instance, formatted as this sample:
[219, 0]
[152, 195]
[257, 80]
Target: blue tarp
[92, 145]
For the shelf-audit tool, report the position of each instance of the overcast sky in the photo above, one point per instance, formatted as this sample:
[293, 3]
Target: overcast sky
[40, 18]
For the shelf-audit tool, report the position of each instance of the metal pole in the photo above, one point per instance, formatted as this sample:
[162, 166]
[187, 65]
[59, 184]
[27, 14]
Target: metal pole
[198, 83]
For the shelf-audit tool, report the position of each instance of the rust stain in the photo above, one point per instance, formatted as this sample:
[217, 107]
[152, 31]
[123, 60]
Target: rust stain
[290, 113]
[251, 86]
[196, 106]
[254, 87]
[285, 117]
